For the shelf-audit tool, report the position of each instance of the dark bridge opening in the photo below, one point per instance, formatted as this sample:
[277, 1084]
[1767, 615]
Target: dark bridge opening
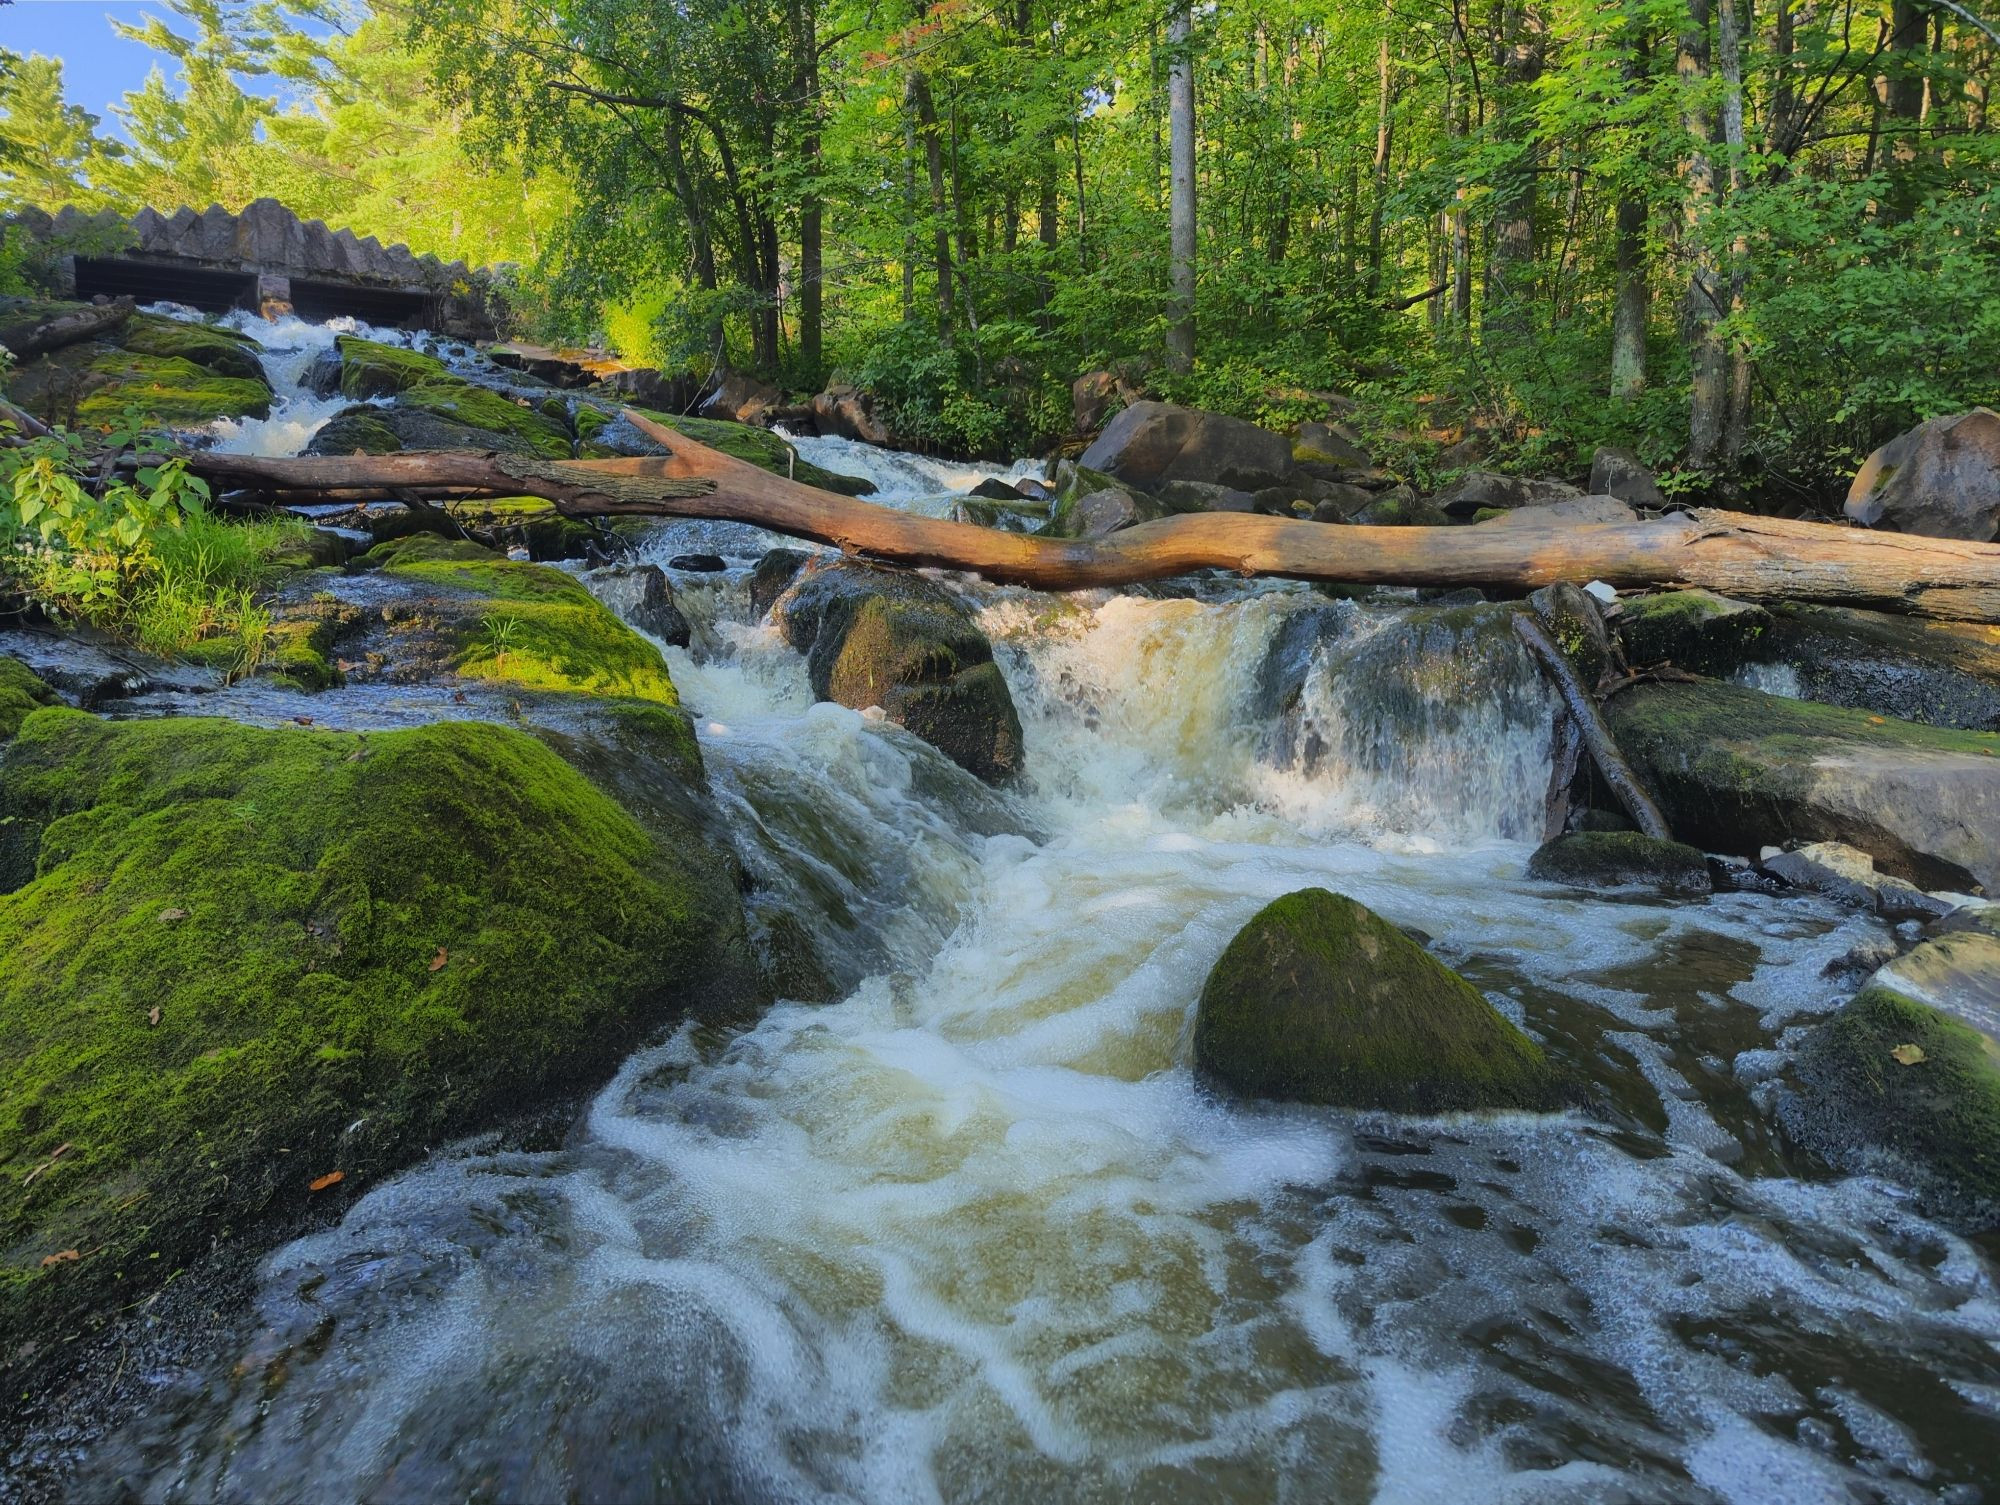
[375, 305]
[151, 282]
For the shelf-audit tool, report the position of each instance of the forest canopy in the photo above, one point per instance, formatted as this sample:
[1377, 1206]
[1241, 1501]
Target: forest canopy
[1752, 238]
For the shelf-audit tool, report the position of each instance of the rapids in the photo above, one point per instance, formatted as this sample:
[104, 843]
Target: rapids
[971, 1231]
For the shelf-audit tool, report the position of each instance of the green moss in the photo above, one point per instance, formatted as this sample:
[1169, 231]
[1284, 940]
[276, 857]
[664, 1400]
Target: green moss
[1615, 859]
[590, 421]
[90, 384]
[1934, 1112]
[1696, 629]
[250, 958]
[21, 694]
[1786, 729]
[482, 408]
[534, 627]
[1320, 1000]
[369, 368]
[223, 351]
[356, 430]
[535, 523]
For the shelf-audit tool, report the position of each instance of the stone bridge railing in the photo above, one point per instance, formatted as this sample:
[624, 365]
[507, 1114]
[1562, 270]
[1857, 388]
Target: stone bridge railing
[264, 258]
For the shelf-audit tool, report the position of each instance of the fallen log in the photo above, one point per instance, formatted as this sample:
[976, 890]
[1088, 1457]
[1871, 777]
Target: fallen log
[1611, 764]
[30, 337]
[1754, 558]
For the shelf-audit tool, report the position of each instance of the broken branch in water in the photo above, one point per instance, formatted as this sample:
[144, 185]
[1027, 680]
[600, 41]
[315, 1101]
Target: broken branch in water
[1753, 558]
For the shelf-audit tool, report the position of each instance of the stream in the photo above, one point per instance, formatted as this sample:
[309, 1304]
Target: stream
[972, 1231]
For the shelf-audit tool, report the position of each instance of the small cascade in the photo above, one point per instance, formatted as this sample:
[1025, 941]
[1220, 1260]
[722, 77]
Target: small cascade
[919, 483]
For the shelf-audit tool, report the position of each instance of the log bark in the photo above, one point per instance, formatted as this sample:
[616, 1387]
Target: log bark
[28, 339]
[1589, 721]
[1735, 554]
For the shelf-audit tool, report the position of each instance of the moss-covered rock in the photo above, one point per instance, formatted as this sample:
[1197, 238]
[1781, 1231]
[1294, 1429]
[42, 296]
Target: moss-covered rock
[1939, 673]
[249, 959]
[223, 351]
[1892, 1086]
[1320, 1000]
[875, 637]
[1737, 771]
[1621, 859]
[369, 368]
[489, 412]
[361, 429]
[21, 694]
[90, 384]
[1696, 629]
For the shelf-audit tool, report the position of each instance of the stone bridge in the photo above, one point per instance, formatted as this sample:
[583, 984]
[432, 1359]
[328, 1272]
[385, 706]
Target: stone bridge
[266, 259]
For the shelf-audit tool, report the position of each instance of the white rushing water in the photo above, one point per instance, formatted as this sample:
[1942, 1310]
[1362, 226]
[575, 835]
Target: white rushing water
[972, 1231]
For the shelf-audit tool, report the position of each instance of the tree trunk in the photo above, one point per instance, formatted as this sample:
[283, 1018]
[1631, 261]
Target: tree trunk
[1517, 62]
[1736, 418]
[1709, 403]
[812, 213]
[917, 97]
[1753, 558]
[1180, 208]
[1632, 295]
[1384, 128]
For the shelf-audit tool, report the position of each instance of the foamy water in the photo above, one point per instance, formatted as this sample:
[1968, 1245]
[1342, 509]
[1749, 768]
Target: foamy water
[972, 1231]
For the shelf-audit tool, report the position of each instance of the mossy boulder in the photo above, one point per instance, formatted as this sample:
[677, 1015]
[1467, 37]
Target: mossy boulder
[876, 637]
[1621, 859]
[361, 429]
[90, 384]
[486, 411]
[1696, 629]
[223, 351]
[1091, 504]
[1892, 1086]
[1320, 1000]
[247, 959]
[1736, 771]
[370, 368]
[21, 694]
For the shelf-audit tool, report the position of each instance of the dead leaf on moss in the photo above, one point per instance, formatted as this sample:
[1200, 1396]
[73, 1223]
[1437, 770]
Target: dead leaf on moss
[167, 915]
[61, 1150]
[1909, 1055]
[440, 959]
[153, 1014]
[331, 1178]
[67, 1256]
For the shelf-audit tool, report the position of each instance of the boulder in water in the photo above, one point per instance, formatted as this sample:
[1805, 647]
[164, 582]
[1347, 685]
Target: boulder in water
[1905, 1081]
[744, 399]
[223, 351]
[993, 489]
[1576, 509]
[1847, 874]
[1737, 771]
[1695, 629]
[641, 595]
[90, 384]
[1941, 479]
[1939, 673]
[876, 637]
[1621, 859]
[850, 413]
[771, 574]
[1152, 443]
[1320, 1000]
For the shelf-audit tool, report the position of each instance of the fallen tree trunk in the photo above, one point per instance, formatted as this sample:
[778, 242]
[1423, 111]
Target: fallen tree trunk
[1754, 558]
[1611, 764]
[28, 338]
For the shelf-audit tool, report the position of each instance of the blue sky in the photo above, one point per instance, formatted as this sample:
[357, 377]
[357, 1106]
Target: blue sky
[99, 66]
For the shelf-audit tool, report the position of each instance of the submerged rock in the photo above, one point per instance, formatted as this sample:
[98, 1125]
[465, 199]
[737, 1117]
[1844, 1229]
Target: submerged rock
[876, 637]
[1942, 478]
[1737, 771]
[249, 968]
[1622, 859]
[1320, 1000]
[1152, 443]
[1905, 1081]
[1841, 872]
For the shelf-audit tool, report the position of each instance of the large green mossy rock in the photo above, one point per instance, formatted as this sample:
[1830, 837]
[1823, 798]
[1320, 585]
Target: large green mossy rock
[1696, 630]
[1736, 771]
[1320, 1000]
[463, 414]
[1892, 1086]
[90, 384]
[21, 695]
[369, 368]
[223, 351]
[481, 408]
[875, 637]
[247, 959]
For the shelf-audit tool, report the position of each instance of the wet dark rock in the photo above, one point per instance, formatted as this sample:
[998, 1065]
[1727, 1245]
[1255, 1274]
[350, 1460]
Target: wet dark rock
[1320, 1000]
[1337, 501]
[771, 574]
[1616, 471]
[1942, 478]
[1477, 490]
[1205, 496]
[1695, 630]
[1152, 443]
[1576, 625]
[698, 564]
[1401, 507]
[1094, 514]
[1737, 771]
[1939, 673]
[1008, 517]
[876, 637]
[993, 489]
[641, 595]
[1841, 872]
[1622, 859]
